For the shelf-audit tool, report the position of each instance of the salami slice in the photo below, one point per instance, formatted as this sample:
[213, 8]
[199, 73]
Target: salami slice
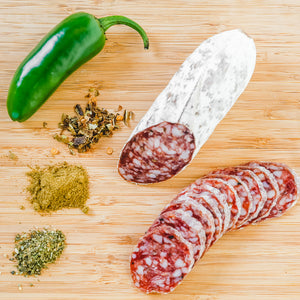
[243, 194]
[198, 97]
[200, 213]
[289, 187]
[231, 198]
[190, 229]
[270, 185]
[201, 187]
[161, 260]
[209, 202]
[157, 153]
[255, 186]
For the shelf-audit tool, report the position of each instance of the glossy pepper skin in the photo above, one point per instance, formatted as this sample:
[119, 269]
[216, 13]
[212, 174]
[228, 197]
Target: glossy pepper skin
[64, 49]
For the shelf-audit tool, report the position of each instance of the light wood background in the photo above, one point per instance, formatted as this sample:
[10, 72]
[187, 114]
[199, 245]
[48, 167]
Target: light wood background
[261, 262]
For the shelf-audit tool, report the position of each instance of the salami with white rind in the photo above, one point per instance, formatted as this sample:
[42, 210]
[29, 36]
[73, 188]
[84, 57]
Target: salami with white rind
[198, 96]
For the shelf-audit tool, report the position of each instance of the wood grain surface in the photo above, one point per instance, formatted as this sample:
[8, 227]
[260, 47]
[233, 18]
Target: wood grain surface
[258, 262]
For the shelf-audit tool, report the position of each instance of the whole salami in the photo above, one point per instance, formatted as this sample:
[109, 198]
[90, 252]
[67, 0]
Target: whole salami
[187, 111]
[198, 216]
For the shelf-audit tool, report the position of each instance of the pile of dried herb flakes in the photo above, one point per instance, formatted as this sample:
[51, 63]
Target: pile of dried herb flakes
[90, 124]
[58, 186]
[35, 249]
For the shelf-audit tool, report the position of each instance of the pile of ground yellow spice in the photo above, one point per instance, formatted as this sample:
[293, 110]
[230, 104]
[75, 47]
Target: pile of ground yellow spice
[58, 186]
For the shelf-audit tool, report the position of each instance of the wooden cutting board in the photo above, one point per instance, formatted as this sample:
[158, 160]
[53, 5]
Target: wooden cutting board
[258, 262]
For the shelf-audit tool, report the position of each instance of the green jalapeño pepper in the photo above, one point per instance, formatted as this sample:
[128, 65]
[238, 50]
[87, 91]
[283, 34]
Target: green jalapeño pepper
[65, 48]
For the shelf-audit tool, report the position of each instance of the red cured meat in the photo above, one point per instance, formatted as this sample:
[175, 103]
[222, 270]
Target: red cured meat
[209, 202]
[200, 213]
[258, 193]
[200, 186]
[157, 153]
[243, 194]
[196, 218]
[232, 199]
[270, 185]
[190, 229]
[289, 187]
[161, 260]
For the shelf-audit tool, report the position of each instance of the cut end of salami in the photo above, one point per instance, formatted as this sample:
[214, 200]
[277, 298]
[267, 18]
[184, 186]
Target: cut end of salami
[157, 153]
[161, 260]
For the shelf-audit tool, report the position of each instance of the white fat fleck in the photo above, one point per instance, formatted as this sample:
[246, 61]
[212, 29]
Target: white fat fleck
[232, 182]
[156, 172]
[148, 261]
[193, 240]
[280, 181]
[130, 154]
[167, 241]
[189, 212]
[185, 270]
[261, 176]
[140, 270]
[156, 143]
[179, 263]
[177, 273]
[243, 212]
[271, 194]
[185, 155]
[167, 150]
[133, 255]
[176, 132]
[157, 238]
[272, 167]
[151, 175]
[128, 176]
[122, 171]
[149, 152]
[265, 185]
[277, 173]
[282, 201]
[163, 254]
[164, 264]
[136, 162]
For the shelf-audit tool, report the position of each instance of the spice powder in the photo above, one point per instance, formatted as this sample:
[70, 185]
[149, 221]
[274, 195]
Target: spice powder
[58, 186]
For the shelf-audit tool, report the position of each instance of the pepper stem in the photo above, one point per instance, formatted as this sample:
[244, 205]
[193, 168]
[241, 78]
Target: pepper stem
[107, 22]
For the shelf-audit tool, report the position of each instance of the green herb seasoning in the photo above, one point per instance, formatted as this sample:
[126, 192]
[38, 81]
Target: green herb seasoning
[58, 186]
[12, 155]
[35, 249]
[89, 124]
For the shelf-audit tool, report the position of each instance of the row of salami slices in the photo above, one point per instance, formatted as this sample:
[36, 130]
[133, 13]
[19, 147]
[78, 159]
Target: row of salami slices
[199, 215]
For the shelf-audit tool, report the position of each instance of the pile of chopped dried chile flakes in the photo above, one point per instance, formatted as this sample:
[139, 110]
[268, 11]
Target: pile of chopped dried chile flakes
[89, 125]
